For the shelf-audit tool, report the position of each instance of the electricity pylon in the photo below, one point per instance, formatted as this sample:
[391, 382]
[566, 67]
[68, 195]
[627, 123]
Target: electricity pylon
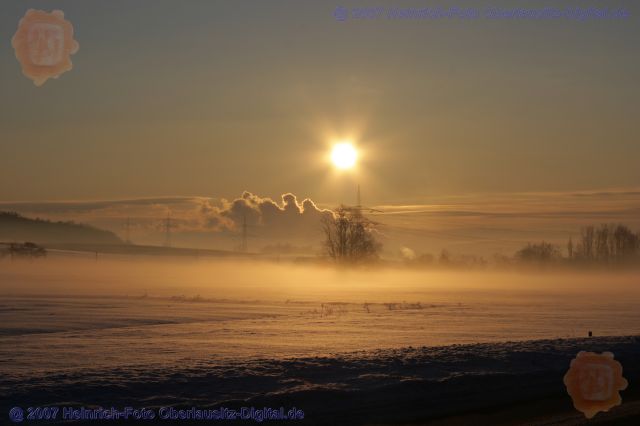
[168, 224]
[128, 231]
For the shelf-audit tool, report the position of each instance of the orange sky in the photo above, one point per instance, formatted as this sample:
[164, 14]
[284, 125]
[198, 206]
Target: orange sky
[214, 98]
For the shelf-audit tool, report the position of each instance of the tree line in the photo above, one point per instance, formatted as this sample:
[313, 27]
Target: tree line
[607, 244]
[350, 238]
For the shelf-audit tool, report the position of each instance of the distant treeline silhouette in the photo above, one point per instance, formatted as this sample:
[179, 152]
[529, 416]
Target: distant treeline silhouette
[28, 249]
[17, 228]
[607, 244]
[611, 245]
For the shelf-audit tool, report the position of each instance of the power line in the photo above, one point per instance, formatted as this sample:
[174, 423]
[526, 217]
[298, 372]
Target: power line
[128, 231]
[243, 244]
[359, 207]
[168, 224]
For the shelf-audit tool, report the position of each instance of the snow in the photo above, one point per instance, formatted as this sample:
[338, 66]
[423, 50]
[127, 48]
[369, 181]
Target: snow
[95, 335]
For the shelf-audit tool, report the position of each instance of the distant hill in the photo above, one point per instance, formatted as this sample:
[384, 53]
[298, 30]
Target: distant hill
[14, 227]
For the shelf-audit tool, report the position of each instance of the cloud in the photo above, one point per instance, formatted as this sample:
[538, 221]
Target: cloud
[204, 221]
[477, 223]
[289, 219]
[606, 194]
[262, 214]
[407, 253]
[56, 207]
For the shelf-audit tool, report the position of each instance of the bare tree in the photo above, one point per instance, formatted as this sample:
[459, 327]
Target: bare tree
[608, 244]
[626, 244]
[603, 236]
[586, 245]
[349, 237]
[539, 253]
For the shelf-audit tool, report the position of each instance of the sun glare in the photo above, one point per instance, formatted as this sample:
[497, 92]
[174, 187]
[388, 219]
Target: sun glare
[344, 155]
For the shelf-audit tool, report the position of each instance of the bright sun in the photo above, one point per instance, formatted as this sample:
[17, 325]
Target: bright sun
[344, 155]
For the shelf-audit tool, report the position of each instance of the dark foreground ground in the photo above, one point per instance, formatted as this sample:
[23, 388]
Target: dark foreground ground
[513, 383]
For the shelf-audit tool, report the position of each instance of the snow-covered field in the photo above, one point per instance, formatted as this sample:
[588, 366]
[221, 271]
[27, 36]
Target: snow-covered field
[234, 330]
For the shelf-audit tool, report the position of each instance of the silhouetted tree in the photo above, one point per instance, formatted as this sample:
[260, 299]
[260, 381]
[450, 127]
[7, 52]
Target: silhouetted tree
[608, 244]
[27, 249]
[445, 257]
[603, 248]
[625, 244]
[539, 253]
[349, 237]
[587, 243]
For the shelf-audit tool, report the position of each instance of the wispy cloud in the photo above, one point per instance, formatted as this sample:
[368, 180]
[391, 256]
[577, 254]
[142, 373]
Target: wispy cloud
[474, 223]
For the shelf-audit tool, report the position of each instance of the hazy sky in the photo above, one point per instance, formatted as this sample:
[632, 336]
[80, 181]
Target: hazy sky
[210, 98]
